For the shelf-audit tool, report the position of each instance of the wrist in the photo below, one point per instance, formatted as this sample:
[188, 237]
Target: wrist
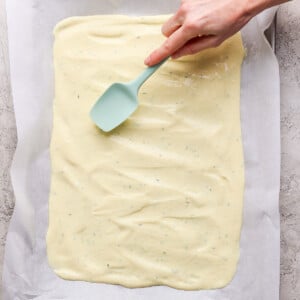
[254, 7]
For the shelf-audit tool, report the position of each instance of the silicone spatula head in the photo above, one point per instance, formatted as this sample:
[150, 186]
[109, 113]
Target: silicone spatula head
[119, 101]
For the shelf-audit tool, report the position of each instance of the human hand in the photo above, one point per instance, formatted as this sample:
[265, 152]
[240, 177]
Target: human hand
[201, 24]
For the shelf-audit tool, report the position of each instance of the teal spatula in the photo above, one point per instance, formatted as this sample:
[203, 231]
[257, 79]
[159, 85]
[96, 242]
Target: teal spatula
[119, 101]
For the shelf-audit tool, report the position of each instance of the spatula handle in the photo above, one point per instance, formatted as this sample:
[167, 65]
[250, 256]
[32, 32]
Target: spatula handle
[146, 74]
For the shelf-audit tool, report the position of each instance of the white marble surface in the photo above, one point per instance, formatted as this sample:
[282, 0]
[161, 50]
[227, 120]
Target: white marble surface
[288, 53]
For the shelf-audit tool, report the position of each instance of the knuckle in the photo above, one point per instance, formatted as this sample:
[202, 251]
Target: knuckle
[167, 46]
[184, 8]
[190, 26]
[204, 21]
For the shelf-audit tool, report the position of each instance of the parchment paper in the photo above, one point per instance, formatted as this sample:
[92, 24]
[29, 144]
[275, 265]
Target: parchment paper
[26, 271]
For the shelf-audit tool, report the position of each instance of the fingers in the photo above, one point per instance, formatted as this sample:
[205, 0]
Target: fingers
[171, 25]
[173, 43]
[196, 45]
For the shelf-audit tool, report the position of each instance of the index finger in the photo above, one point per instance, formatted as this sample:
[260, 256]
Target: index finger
[173, 43]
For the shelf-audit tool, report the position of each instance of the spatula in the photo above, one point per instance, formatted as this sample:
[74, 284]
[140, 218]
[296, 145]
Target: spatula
[119, 101]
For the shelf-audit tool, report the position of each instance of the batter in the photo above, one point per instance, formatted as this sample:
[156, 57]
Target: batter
[158, 201]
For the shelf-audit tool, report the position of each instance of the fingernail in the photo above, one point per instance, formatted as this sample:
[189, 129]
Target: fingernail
[147, 60]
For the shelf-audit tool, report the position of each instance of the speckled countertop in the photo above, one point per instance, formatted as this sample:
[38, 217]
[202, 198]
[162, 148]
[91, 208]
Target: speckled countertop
[288, 53]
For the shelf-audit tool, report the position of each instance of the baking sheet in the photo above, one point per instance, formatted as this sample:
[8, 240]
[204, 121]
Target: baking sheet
[26, 271]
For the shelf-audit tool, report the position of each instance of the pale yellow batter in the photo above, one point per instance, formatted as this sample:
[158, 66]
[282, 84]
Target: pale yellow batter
[159, 200]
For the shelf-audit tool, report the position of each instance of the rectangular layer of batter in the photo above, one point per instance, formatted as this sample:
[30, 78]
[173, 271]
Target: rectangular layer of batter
[158, 201]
